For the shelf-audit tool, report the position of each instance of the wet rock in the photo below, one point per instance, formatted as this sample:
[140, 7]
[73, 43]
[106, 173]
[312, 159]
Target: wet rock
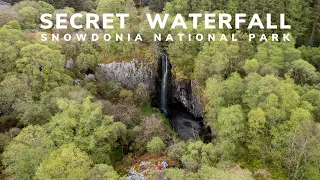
[184, 92]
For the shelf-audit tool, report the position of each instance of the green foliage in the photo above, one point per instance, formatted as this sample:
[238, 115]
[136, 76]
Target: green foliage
[46, 71]
[150, 126]
[251, 65]
[311, 54]
[313, 96]
[222, 94]
[216, 58]
[262, 100]
[114, 6]
[231, 126]
[109, 89]
[13, 90]
[7, 14]
[8, 55]
[303, 73]
[14, 24]
[257, 131]
[182, 53]
[141, 93]
[207, 173]
[194, 154]
[174, 173]
[67, 162]
[103, 171]
[155, 145]
[276, 56]
[41, 112]
[25, 153]
[86, 61]
[300, 135]
[84, 124]
[11, 36]
[126, 95]
[177, 6]
[116, 49]
[30, 17]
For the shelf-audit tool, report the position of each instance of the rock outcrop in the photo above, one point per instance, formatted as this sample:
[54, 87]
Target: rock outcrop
[130, 74]
[184, 92]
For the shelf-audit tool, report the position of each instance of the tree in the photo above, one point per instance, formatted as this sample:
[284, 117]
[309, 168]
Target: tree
[14, 37]
[298, 14]
[219, 58]
[315, 21]
[215, 101]
[231, 127]
[303, 73]
[257, 134]
[157, 5]
[174, 173]
[103, 171]
[311, 54]
[150, 127]
[182, 53]
[67, 162]
[7, 14]
[207, 172]
[115, 6]
[155, 145]
[251, 65]
[142, 93]
[194, 154]
[12, 90]
[8, 55]
[86, 61]
[275, 56]
[113, 49]
[84, 124]
[220, 94]
[276, 97]
[43, 66]
[26, 151]
[313, 96]
[295, 145]
[233, 90]
[40, 112]
[177, 6]
[41, 6]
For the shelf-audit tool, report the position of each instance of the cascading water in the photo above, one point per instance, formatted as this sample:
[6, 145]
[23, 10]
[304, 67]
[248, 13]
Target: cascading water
[184, 123]
[164, 85]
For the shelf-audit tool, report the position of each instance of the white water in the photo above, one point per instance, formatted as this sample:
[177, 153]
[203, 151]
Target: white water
[164, 85]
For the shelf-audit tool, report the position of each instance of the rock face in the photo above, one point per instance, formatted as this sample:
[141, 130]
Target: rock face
[130, 74]
[2, 3]
[184, 92]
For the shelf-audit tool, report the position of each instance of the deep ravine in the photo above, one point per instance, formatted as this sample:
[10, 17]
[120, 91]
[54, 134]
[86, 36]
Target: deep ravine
[182, 121]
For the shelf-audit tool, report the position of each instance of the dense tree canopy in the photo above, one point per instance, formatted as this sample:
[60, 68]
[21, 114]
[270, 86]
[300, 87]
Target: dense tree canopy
[61, 118]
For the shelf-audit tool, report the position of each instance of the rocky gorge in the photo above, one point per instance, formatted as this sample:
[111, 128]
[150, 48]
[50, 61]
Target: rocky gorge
[184, 106]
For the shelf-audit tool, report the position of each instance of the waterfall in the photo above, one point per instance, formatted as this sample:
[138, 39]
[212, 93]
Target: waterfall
[164, 84]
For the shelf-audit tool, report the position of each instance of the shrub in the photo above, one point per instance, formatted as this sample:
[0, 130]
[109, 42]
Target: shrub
[126, 95]
[156, 145]
[109, 90]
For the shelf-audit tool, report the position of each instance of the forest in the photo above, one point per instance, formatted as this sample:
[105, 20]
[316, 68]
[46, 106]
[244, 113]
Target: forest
[259, 101]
